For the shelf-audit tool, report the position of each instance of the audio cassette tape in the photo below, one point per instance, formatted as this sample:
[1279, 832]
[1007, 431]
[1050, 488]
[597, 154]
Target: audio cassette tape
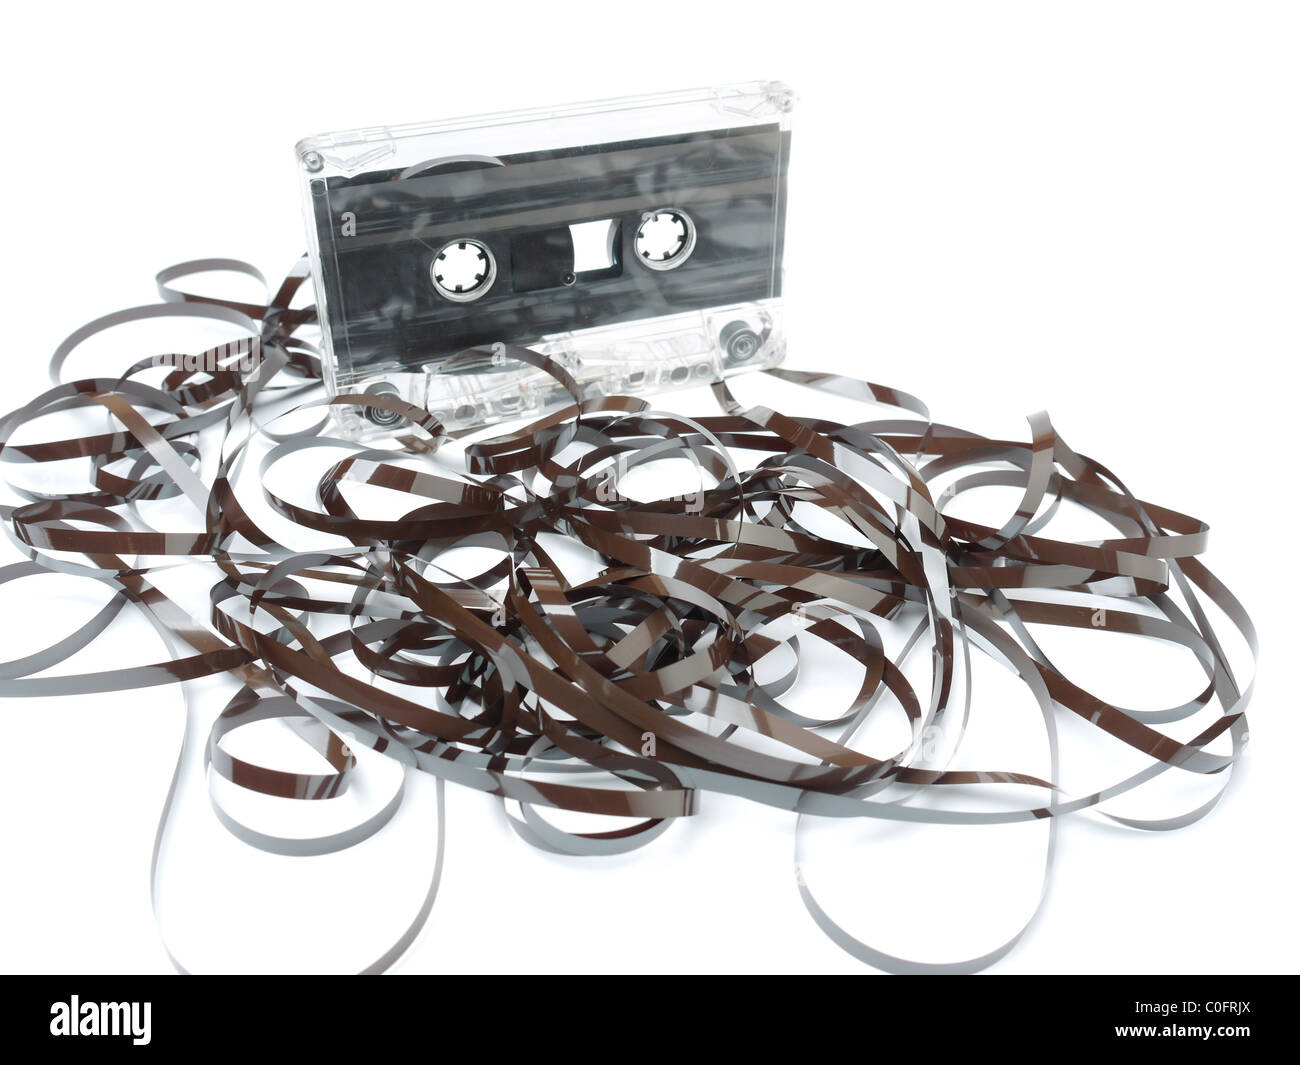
[637, 242]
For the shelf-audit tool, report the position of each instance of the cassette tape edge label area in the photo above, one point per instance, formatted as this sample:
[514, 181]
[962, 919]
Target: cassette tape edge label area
[638, 242]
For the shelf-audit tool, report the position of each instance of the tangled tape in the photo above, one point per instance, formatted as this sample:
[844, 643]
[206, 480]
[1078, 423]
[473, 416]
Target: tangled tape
[630, 693]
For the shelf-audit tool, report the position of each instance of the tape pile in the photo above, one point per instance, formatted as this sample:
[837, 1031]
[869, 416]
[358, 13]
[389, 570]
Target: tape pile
[658, 673]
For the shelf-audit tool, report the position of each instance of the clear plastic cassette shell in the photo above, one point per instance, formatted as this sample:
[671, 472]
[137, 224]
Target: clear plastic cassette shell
[637, 241]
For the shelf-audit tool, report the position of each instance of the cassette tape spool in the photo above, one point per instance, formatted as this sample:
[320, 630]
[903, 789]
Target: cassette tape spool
[636, 241]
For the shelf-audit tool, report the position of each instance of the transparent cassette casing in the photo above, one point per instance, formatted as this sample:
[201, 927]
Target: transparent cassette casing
[637, 241]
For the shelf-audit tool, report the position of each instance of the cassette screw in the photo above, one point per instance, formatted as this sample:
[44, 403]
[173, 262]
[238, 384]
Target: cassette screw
[313, 161]
[378, 415]
[739, 341]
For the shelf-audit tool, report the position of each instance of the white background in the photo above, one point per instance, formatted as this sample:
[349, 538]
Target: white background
[1098, 200]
